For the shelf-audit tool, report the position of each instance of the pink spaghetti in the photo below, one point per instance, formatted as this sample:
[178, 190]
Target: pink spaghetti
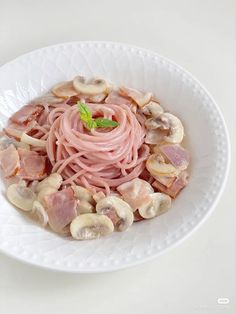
[99, 159]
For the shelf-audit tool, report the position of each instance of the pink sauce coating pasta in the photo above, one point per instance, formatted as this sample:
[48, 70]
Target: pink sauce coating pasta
[99, 159]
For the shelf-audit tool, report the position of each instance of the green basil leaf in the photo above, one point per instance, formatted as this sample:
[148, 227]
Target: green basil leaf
[105, 123]
[91, 124]
[85, 112]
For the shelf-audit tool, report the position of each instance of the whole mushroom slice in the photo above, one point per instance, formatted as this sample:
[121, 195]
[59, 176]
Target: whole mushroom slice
[159, 204]
[117, 210]
[94, 87]
[64, 90]
[175, 126]
[152, 109]
[40, 213]
[54, 180]
[21, 196]
[157, 166]
[91, 226]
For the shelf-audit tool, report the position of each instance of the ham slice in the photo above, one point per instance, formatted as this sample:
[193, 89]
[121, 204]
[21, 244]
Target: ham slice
[116, 99]
[61, 209]
[32, 165]
[26, 114]
[179, 183]
[9, 161]
[136, 192]
[140, 98]
[176, 155]
[165, 180]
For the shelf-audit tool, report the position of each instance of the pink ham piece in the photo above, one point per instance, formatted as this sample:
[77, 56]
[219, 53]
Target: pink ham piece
[140, 98]
[165, 180]
[26, 114]
[61, 209]
[176, 155]
[136, 192]
[179, 183]
[116, 99]
[32, 165]
[15, 130]
[9, 161]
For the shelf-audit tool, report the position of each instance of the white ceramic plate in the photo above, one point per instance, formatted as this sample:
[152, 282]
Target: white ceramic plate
[34, 73]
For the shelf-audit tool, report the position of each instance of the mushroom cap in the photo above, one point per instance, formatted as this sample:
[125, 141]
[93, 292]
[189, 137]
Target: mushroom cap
[123, 211]
[21, 196]
[152, 109]
[84, 207]
[90, 226]
[83, 194]
[157, 167]
[94, 87]
[176, 129]
[159, 204]
[39, 211]
[64, 90]
[54, 180]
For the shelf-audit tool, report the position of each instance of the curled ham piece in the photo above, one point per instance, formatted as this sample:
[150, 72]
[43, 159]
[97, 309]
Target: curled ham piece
[26, 114]
[176, 155]
[179, 183]
[32, 165]
[9, 161]
[61, 209]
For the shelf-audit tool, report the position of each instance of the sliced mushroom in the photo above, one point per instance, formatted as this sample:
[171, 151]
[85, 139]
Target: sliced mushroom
[84, 207]
[83, 194]
[48, 190]
[97, 98]
[155, 136]
[176, 129]
[117, 210]
[21, 196]
[98, 196]
[53, 181]
[40, 213]
[94, 87]
[64, 90]
[156, 123]
[25, 138]
[157, 167]
[138, 97]
[91, 226]
[152, 109]
[159, 204]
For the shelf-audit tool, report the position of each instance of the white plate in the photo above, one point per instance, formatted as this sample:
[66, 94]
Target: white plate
[34, 73]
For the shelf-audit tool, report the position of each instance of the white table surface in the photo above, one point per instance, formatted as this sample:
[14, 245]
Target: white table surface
[200, 36]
